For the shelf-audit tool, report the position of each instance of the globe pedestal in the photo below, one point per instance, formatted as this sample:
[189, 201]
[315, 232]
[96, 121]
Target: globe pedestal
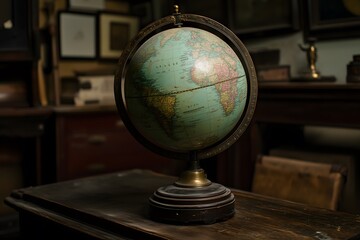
[193, 199]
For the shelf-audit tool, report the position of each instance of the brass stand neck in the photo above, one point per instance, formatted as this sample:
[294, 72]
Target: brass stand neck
[193, 178]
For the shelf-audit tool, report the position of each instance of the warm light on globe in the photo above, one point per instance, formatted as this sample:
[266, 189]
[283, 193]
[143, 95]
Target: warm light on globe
[186, 89]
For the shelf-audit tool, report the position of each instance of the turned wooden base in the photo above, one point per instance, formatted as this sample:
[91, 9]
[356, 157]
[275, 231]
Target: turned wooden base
[192, 205]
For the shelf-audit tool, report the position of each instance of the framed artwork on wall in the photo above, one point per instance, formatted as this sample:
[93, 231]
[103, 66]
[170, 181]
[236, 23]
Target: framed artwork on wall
[329, 19]
[77, 35]
[249, 18]
[115, 31]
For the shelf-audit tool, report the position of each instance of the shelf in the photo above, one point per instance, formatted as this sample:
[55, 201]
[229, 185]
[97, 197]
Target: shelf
[309, 103]
[71, 109]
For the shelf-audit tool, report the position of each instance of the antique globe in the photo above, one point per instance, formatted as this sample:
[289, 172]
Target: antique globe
[186, 88]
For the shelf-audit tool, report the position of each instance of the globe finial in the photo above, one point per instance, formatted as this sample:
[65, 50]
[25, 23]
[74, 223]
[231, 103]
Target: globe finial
[176, 15]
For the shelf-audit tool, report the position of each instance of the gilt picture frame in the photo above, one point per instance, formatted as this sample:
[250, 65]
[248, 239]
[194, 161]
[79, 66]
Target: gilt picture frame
[249, 18]
[332, 19]
[115, 32]
[77, 35]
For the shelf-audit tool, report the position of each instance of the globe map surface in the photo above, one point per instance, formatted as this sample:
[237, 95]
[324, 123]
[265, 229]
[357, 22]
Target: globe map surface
[185, 89]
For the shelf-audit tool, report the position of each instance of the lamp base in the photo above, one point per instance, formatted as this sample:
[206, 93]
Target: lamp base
[192, 205]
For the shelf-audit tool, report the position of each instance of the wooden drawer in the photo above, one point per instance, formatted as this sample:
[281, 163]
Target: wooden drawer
[90, 144]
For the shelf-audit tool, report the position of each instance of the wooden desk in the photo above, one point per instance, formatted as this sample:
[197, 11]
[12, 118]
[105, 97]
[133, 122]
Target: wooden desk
[114, 206]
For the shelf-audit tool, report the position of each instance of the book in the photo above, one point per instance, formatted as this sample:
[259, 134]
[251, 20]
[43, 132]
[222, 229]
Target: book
[95, 90]
[351, 194]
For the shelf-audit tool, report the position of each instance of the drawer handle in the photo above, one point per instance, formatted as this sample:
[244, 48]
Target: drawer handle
[97, 139]
[96, 167]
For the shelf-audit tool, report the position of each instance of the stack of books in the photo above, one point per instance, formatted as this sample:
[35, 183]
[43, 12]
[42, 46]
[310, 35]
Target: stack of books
[95, 90]
[84, 89]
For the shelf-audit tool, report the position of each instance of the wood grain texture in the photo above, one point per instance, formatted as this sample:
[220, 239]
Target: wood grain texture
[115, 206]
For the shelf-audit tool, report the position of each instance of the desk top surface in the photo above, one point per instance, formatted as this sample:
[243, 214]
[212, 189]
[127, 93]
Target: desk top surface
[116, 206]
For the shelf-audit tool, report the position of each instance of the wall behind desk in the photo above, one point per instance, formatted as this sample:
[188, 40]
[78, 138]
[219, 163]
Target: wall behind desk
[333, 55]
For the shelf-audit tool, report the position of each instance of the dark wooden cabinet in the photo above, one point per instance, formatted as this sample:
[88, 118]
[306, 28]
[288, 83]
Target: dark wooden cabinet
[282, 111]
[19, 30]
[22, 121]
[93, 140]
[19, 54]
[329, 104]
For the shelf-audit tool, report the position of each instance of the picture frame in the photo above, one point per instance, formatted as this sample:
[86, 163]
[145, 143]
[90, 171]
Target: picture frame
[248, 18]
[115, 31]
[88, 5]
[77, 35]
[331, 19]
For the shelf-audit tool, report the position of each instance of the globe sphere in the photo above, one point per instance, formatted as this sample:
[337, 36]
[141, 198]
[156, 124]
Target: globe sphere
[185, 89]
